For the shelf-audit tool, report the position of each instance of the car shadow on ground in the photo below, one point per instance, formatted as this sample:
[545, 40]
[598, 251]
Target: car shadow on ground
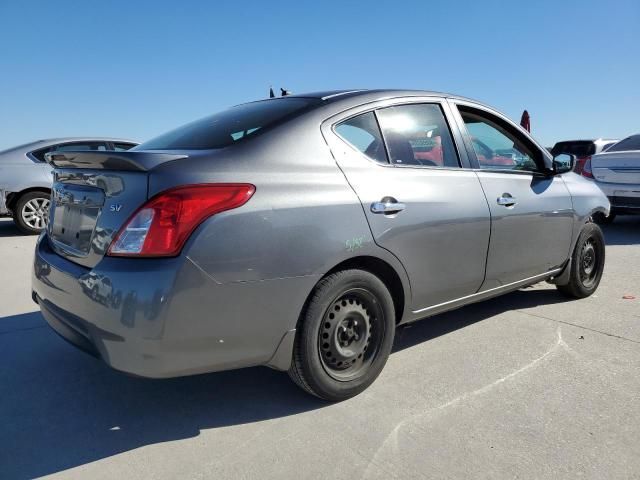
[8, 228]
[625, 230]
[61, 408]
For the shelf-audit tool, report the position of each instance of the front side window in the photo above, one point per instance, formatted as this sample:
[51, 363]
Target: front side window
[496, 147]
[417, 135]
[362, 133]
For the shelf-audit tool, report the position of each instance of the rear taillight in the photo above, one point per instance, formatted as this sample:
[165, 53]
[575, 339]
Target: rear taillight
[580, 161]
[586, 170]
[162, 225]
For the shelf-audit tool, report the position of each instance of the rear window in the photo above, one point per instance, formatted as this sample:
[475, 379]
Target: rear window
[230, 126]
[629, 143]
[579, 149]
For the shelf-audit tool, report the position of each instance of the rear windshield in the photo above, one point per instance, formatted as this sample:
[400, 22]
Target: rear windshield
[582, 148]
[230, 126]
[629, 143]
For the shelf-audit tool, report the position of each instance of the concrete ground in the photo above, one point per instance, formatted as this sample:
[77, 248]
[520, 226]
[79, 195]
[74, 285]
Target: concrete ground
[529, 385]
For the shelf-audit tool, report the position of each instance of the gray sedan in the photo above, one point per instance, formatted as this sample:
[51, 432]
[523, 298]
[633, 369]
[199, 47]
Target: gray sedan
[300, 232]
[25, 178]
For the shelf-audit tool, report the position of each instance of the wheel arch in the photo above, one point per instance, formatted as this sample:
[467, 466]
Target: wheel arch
[12, 197]
[383, 270]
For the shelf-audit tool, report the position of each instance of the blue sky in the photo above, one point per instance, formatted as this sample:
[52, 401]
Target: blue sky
[138, 68]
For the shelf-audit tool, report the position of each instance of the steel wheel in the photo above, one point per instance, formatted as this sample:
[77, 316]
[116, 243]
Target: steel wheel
[35, 213]
[350, 334]
[344, 335]
[588, 263]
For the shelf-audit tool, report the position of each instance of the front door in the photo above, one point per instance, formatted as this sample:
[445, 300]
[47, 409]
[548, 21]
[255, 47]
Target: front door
[420, 204]
[531, 211]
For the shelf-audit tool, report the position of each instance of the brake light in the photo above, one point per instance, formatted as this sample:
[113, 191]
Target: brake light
[580, 161]
[162, 225]
[586, 170]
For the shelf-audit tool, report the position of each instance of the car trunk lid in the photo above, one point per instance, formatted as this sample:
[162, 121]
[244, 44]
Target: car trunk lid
[93, 195]
[617, 167]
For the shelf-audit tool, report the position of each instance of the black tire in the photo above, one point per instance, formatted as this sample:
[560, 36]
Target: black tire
[602, 219]
[23, 203]
[344, 335]
[587, 263]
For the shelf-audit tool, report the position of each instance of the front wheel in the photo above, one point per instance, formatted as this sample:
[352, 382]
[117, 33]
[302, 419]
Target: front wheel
[587, 263]
[345, 335]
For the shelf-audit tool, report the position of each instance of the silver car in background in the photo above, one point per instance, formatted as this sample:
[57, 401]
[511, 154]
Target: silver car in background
[299, 232]
[25, 177]
[617, 172]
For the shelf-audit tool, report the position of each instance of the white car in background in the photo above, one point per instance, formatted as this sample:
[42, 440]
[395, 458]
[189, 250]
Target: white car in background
[617, 172]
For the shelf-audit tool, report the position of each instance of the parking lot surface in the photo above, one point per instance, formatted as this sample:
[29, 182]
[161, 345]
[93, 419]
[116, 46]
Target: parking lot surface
[529, 385]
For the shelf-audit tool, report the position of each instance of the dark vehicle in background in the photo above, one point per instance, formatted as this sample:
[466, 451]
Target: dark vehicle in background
[583, 150]
[25, 177]
[617, 172]
[299, 232]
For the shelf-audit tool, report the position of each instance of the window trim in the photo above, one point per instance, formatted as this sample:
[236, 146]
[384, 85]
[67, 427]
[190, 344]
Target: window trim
[328, 126]
[512, 127]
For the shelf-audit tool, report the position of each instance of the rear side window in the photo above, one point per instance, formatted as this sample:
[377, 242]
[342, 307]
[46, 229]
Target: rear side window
[580, 148]
[629, 143]
[233, 125]
[39, 154]
[122, 147]
[362, 132]
[417, 135]
[80, 147]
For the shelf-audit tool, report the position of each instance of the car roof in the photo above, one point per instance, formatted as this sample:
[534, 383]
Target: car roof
[333, 95]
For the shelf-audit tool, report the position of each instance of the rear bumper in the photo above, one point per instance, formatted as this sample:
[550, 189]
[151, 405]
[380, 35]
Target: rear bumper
[3, 203]
[164, 317]
[625, 205]
[624, 198]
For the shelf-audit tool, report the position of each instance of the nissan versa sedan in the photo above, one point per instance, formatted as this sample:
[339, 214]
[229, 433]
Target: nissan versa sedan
[300, 232]
[25, 177]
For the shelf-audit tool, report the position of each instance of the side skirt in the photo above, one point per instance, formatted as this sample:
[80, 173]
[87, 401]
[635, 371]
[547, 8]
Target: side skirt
[479, 296]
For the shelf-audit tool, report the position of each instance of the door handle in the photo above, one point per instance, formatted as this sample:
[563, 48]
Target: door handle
[387, 206]
[506, 200]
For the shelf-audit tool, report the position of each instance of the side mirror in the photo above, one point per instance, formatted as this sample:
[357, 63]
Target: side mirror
[563, 163]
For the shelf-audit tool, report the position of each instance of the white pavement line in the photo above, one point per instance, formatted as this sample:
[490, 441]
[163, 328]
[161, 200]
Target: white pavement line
[391, 440]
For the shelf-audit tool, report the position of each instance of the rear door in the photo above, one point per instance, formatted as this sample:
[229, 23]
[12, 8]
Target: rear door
[421, 205]
[531, 212]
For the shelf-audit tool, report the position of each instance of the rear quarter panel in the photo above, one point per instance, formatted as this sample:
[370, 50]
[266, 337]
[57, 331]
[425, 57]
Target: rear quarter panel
[303, 219]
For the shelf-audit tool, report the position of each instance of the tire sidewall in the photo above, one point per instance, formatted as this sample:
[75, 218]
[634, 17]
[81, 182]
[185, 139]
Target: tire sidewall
[320, 381]
[17, 214]
[593, 231]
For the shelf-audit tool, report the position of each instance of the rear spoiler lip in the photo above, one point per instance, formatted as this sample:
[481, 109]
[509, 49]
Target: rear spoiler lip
[139, 161]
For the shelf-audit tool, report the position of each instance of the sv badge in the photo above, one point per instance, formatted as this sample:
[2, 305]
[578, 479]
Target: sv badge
[115, 207]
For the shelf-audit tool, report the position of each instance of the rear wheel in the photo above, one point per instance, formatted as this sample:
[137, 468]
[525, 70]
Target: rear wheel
[587, 263]
[31, 212]
[345, 335]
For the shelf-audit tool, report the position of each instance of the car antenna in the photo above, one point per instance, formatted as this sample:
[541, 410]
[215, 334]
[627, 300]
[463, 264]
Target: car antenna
[271, 94]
